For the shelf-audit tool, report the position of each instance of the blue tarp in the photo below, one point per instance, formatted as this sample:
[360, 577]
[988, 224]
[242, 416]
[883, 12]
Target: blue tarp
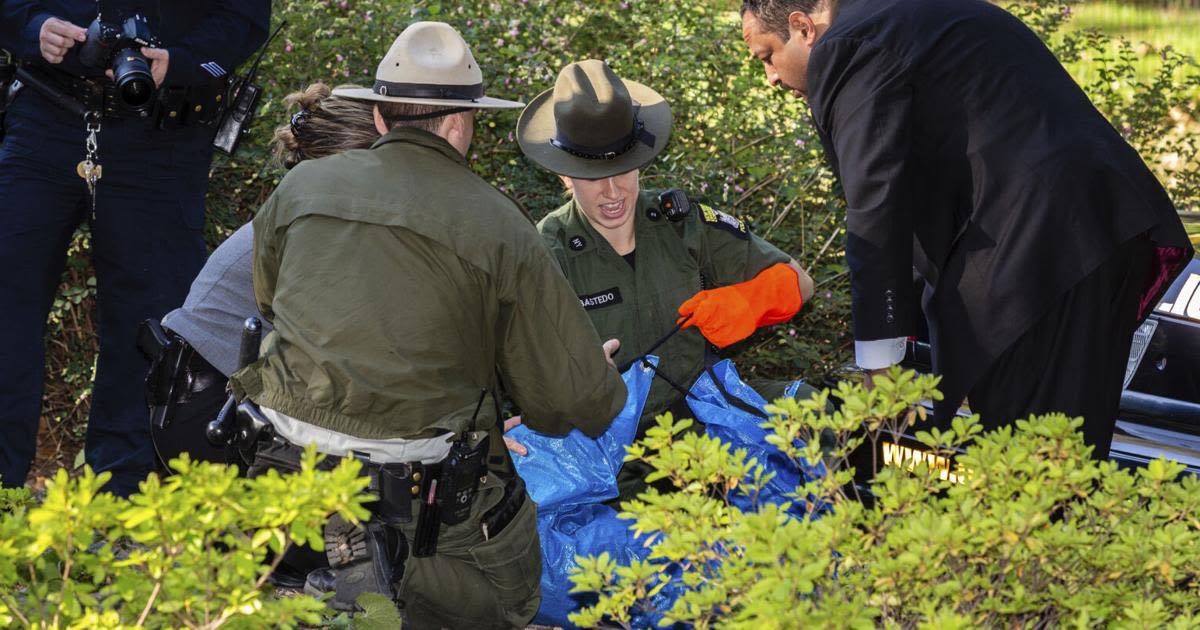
[741, 429]
[570, 478]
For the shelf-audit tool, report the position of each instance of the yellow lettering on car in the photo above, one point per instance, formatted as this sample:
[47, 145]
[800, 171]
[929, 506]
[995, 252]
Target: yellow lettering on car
[906, 458]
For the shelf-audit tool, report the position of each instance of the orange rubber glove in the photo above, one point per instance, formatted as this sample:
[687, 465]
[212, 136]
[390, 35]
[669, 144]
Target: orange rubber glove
[729, 314]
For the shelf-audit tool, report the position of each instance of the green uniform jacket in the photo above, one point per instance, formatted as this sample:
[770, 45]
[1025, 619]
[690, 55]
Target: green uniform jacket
[398, 283]
[640, 304]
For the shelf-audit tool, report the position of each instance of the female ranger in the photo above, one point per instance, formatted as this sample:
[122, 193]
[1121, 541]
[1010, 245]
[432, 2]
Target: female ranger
[642, 261]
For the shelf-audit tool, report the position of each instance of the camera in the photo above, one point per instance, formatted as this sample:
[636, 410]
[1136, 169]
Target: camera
[118, 46]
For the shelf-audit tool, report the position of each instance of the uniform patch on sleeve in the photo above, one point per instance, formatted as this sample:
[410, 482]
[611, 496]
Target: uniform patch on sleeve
[213, 68]
[724, 221]
[600, 299]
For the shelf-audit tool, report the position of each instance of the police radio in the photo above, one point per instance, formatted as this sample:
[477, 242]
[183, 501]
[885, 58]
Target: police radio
[674, 204]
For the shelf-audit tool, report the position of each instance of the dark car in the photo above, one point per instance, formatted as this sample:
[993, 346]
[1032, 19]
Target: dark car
[1160, 405]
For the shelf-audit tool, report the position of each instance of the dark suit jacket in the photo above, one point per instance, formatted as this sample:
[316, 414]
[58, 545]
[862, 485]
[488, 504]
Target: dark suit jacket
[967, 151]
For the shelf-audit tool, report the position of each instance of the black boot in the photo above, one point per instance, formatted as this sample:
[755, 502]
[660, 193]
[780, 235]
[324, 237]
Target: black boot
[364, 560]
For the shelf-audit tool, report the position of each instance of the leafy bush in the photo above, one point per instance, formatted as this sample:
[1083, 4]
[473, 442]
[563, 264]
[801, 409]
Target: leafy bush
[189, 550]
[1027, 531]
[738, 143]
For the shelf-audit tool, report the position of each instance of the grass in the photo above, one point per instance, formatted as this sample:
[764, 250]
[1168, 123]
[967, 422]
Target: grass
[1191, 222]
[1148, 28]
[1137, 23]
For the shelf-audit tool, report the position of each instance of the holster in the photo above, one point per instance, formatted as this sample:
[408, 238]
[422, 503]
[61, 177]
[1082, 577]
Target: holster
[166, 380]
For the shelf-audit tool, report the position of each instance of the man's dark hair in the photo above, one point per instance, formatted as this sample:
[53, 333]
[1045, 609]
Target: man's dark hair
[774, 13]
[397, 115]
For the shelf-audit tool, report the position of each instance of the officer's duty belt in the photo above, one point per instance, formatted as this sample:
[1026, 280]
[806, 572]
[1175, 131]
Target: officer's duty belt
[398, 486]
[93, 94]
[401, 488]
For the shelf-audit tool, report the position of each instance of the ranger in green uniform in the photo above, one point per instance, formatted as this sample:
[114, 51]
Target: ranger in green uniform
[639, 260]
[401, 287]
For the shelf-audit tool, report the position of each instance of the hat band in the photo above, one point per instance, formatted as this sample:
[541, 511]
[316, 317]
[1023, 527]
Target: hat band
[428, 90]
[610, 151]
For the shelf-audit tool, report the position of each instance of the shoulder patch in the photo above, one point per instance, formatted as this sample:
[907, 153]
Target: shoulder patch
[576, 243]
[600, 299]
[724, 221]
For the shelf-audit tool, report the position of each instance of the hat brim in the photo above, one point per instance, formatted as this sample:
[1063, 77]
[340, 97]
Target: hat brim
[483, 102]
[536, 128]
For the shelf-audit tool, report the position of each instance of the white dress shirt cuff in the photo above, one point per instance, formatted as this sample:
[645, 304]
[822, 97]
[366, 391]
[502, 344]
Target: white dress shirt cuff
[879, 353]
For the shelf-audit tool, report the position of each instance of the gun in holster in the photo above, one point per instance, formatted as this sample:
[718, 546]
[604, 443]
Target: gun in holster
[167, 379]
[242, 424]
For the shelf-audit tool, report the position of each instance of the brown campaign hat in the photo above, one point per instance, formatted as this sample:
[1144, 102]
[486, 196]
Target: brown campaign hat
[593, 124]
[429, 64]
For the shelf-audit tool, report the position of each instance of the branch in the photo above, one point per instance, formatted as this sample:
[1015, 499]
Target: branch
[150, 603]
[831, 279]
[780, 217]
[274, 565]
[751, 143]
[825, 248]
[755, 188]
[12, 605]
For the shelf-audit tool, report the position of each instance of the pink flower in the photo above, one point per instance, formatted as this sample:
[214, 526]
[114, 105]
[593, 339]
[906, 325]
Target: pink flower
[288, 48]
[343, 5]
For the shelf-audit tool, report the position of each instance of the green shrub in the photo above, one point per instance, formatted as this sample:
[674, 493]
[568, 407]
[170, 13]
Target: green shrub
[1026, 532]
[189, 550]
[736, 142]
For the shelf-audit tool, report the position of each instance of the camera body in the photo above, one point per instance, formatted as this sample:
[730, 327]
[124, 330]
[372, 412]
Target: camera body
[117, 46]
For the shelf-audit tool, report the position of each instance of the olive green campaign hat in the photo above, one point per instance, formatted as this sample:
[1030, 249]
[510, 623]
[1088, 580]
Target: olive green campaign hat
[592, 124]
[429, 64]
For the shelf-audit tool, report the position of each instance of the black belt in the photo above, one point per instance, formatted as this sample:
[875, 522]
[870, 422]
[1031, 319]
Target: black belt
[397, 485]
[73, 92]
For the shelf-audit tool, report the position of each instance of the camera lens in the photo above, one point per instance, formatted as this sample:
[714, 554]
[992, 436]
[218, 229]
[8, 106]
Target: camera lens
[131, 73]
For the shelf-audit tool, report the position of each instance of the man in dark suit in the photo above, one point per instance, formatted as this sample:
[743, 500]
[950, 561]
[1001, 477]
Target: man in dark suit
[966, 150]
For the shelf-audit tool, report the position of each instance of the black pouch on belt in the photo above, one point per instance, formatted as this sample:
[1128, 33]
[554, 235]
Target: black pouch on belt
[206, 103]
[172, 103]
[461, 471]
[396, 483]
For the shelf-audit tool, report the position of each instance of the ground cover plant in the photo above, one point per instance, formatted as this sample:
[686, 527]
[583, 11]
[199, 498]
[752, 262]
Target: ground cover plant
[1023, 530]
[742, 146]
[191, 550]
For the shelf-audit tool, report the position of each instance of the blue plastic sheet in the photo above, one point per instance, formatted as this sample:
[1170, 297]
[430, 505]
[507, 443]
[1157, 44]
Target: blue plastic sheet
[570, 478]
[571, 470]
[741, 429]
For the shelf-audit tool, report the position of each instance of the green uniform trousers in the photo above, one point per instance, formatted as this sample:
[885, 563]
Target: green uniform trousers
[472, 582]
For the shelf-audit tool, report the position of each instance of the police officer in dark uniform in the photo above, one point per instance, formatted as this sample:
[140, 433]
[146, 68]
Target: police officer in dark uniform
[139, 185]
